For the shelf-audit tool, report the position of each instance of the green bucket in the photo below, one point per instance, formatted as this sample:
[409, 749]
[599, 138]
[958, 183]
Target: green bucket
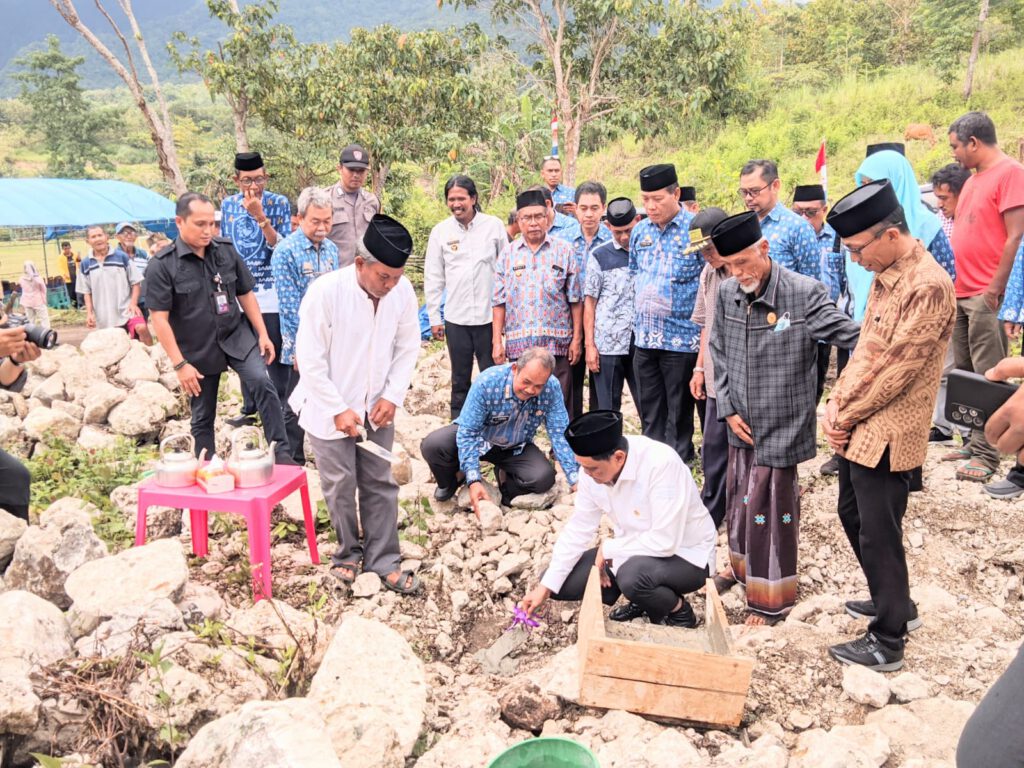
[546, 752]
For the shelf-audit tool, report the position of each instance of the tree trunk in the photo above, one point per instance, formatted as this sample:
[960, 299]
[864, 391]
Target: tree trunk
[975, 46]
[160, 128]
[571, 143]
[378, 176]
[240, 119]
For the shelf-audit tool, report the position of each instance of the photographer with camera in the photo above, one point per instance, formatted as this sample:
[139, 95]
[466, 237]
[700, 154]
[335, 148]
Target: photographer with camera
[994, 734]
[15, 351]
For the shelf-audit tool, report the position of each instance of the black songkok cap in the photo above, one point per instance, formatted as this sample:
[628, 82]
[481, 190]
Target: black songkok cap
[594, 433]
[620, 212]
[530, 197]
[248, 161]
[808, 193]
[735, 233]
[655, 177]
[863, 208]
[895, 146]
[388, 241]
[701, 226]
[688, 194]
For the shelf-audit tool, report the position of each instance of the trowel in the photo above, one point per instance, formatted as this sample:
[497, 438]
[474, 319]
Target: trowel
[376, 450]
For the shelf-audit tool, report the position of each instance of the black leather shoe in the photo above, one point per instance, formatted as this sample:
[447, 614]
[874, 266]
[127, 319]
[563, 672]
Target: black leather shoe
[626, 612]
[443, 494]
[241, 421]
[684, 617]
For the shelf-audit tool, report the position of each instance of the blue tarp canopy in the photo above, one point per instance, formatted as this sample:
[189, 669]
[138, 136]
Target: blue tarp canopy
[62, 205]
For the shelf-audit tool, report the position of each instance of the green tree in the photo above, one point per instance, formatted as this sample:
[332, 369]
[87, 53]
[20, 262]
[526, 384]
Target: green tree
[244, 67]
[406, 96]
[622, 60]
[70, 127]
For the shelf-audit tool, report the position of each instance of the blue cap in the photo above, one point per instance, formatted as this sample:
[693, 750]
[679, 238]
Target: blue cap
[124, 225]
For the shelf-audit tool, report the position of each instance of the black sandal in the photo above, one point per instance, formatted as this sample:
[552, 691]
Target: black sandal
[404, 578]
[353, 568]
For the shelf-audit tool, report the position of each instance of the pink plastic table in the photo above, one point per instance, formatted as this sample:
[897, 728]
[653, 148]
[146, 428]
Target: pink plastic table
[254, 504]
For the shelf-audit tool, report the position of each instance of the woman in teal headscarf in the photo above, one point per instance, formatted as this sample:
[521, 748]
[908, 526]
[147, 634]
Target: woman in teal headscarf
[922, 223]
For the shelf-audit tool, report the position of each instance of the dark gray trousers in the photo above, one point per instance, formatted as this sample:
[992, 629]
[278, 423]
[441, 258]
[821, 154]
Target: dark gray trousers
[714, 457]
[994, 735]
[653, 583]
[464, 343]
[344, 470]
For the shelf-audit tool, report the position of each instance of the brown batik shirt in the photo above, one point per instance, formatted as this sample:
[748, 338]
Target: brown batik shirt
[887, 392]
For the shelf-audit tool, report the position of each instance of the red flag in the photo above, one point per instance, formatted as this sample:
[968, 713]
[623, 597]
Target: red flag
[820, 161]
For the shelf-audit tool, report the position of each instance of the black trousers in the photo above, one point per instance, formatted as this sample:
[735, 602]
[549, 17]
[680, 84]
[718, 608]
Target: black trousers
[563, 372]
[464, 343]
[279, 373]
[579, 373]
[666, 403]
[15, 485]
[653, 583]
[994, 734]
[872, 502]
[714, 457]
[253, 373]
[529, 471]
[296, 434]
[607, 382]
[824, 357]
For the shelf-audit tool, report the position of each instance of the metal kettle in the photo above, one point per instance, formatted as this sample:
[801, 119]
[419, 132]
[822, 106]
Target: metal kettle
[251, 460]
[177, 469]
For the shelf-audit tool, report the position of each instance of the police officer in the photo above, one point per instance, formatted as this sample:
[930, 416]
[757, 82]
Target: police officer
[352, 205]
[194, 288]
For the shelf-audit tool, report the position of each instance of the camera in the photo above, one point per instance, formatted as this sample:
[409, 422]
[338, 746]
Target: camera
[971, 398]
[44, 338]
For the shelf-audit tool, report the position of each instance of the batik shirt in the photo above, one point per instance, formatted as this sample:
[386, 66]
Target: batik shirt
[665, 283]
[536, 290]
[833, 267]
[245, 234]
[296, 264]
[563, 222]
[582, 249]
[1013, 302]
[611, 283]
[494, 417]
[792, 242]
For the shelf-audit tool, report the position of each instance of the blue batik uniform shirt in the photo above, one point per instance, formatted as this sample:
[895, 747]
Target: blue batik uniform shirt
[493, 417]
[665, 282]
[247, 237]
[792, 242]
[610, 282]
[296, 264]
[580, 247]
[1012, 310]
[563, 222]
[832, 264]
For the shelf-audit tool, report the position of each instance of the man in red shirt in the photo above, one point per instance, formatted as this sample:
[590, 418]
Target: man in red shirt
[989, 224]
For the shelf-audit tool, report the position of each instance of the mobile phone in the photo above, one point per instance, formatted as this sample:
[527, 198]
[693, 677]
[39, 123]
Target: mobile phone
[971, 399]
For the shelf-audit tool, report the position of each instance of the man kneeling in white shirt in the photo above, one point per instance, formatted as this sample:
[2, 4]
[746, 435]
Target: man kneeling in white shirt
[664, 536]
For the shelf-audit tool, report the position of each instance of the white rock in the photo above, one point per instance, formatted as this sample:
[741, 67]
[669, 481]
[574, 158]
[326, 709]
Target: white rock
[148, 405]
[865, 686]
[629, 737]
[928, 728]
[819, 749]
[137, 365]
[275, 622]
[79, 374]
[50, 390]
[11, 529]
[43, 421]
[366, 584]
[932, 599]
[869, 739]
[66, 512]
[44, 557]
[536, 500]
[10, 429]
[19, 705]
[93, 438]
[460, 599]
[199, 603]
[73, 410]
[907, 686]
[490, 518]
[800, 720]
[136, 576]
[511, 564]
[99, 399]
[32, 629]
[105, 346]
[561, 675]
[284, 734]
[371, 690]
[916, 539]
[113, 636]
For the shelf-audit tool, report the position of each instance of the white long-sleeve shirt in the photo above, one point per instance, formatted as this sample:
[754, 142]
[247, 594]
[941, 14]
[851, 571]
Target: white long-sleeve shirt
[350, 356]
[654, 508]
[461, 260]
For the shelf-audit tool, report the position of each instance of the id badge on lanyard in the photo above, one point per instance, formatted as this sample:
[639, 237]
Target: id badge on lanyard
[220, 297]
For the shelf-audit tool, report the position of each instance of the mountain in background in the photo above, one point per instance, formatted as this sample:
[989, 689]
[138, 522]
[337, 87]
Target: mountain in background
[29, 21]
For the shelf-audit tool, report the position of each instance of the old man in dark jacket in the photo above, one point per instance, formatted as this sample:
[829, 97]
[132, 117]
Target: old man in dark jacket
[768, 322]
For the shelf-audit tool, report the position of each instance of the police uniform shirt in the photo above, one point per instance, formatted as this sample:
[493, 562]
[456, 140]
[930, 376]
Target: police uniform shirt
[352, 212]
[185, 286]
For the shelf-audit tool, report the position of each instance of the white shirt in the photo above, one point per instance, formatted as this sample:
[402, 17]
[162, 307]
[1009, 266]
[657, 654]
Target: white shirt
[350, 356]
[461, 259]
[654, 508]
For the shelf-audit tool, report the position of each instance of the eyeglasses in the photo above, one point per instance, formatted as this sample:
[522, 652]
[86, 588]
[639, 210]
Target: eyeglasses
[250, 180]
[808, 213]
[532, 217]
[878, 235]
[751, 192]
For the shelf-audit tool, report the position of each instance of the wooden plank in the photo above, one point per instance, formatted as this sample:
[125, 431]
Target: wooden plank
[708, 707]
[715, 621]
[667, 665]
[590, 625]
